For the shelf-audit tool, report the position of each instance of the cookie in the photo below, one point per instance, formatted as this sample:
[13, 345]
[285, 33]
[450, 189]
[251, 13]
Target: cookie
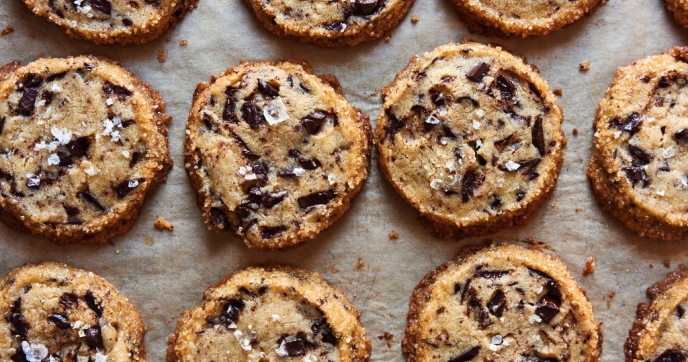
[639, 164]
[275, 152]
[330, 23]
[112, 21]
[531, 18]
[680, 10]
[471, 137]
[658, 333]
[82, 141]
[270, 313]
[501, 303]
[52, 312]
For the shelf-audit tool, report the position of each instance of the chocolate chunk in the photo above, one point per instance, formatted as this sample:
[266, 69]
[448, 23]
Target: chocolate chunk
[393, 124]
[336, 26]
[680, 312]
[643, 157]
[534, 89]
[294, 345]
[551, 283]
[547, 308]
[154, 3]
[636, 174]
[496, 202]
[242, 211]
[228, 112]
[19, 327]
[467, 99]
[115, 90]
[135, 158]
[631, 124]
[464, 292]
[680, 136]
[69, 300]
[458, 153]
[316, 198]
[31, 81]
[27, 102]
[2, 124]
[520, 195]
[268, 88]
[287, 172]
[251, 114]
[268, 232]
[20, 356]
[497, 304]
[93, 303]
[304, 88]
[467, 356]
[218, 218]
[505, 87]
[127, 22]
[47, 96]
[56, 76]
[309, 163]
[79, 147]
[501, 144]
[127, 123]
[538, 359]
[60, 321]
[323, 328]
[365, 7]
[313, 121]
[126, 186]
[270, 200]
[94, 337]
[538, 136]
[671, 355]
[245, 151]
[232, 311]
[103, 6]
[478, 72]
[438, 98]
[471, 181]
[491, 274]
[664, 82]
[88, 196]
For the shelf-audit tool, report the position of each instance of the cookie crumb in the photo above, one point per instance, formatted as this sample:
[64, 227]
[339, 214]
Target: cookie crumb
[578, 209]
[652, 266]
[167, 40]
[386, 335]
[415, 18]
[589, 267]
[32, 36]
[575, 131]
[667, 263]
[610, 297]
[8, 30]
[183, 42]
[393, 234]
[388, 36]
[585, 65]
[161, 224]
[360, 264]
[148, 240]
[558, 92]
[117, 251]
[162, 55]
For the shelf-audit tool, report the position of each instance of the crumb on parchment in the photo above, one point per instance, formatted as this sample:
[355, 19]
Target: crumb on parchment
[585, 65]
[161, 224]
[360, 264]
[162, 55]
[558, 92]
[589, 267]
[393, 234]
[415, 18]
[575, 131]
[183, 42]
[8, 30]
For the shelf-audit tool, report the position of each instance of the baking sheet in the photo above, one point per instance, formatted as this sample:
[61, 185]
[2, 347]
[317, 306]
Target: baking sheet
[165, 273]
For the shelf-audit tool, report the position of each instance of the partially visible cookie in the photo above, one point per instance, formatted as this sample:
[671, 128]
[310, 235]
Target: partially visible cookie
[501, 303]
[82, 141]
[471, 137]
[330, 23]
[520, 18]
[271, 313]
[112, 21]
[659, 331]
[275, 152]
[639, 165]
[680, 10]
[52, 312]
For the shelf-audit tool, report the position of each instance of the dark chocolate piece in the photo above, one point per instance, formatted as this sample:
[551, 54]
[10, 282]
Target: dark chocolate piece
[218, 218]
[93, 303]
[103, 6]
[491, 274]
[94, 337]
[294, 345]
[232, 311]
[251, 114]
[313, 121]
[478, 72]
[270, 200]
[365, 7]
[671, 355]
[323, 328]
[643, 157]
[114, 90]
[126, 186]
[60, 321]
[636, 174]
[680, 136]
[309, 163]
[538, 136]
[27, 102]
[471, 181]
[631, 124]
[316, 198]
[69, 300]
[393, 124]
[497, 304]
[547, 308]
[268, 88]
[245, 151]
[505, 87]
[228, 112]
[467, 356]
[88, 196]
[270, 231]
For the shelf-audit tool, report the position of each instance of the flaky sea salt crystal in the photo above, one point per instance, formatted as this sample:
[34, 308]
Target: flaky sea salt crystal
[63, 136]
[435, 184]
[512, 166]
[133, 183]
[53, 160]
[100, 357]
[275, 112]
[32, 180]
[34, 352]
[298, 171]
[476, 124]
[432, 120]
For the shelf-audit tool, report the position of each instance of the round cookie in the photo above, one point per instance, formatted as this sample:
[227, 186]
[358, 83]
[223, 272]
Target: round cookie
[521, 18]
[270, 313]
[275, 152]
[330, 23]
[659, 331]
[471, 137]
[639, 163]
[680, 10]
[112, 21]
[52, 312]
[501, 303]
[82, 141]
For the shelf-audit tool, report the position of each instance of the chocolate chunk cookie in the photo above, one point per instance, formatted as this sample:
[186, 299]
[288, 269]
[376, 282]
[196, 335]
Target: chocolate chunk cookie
[658, 333]
[82, 141]
[275, 152]
[639, 166]
[112, 21]
[330, 23]
[680, 10]
[520, 18]
[471, 137]
[52, 312]
[502, 303]
[271, 313]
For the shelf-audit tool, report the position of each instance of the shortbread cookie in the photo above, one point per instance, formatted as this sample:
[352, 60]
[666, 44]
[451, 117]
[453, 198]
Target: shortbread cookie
[502, 303]
[640, 161]
[471, 137]
[680, 10]
[82, 141]
[659, 331]
[275, 153]
[521, 18]
[112, 21]
[271, 313]
[52, 312]
[330, 23]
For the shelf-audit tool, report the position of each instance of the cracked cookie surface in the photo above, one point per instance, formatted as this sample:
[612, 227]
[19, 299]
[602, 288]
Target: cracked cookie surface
[82, 141]
[501, 303]
[55, 313]
[275, 153]
[330, 23]
[471, 137]
[680, 10]
[639, 164]
[112, 21]
[271, 313]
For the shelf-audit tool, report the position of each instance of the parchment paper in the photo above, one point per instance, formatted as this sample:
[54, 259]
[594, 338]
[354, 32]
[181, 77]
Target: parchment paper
[168, 276]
